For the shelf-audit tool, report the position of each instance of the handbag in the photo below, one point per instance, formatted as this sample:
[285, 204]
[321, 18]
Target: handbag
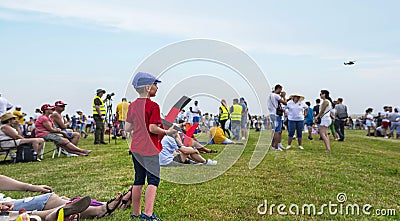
[279, 110]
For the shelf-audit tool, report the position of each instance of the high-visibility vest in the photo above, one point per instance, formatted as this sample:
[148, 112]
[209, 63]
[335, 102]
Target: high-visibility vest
[102, 106]
[224, 114]
[237, 112]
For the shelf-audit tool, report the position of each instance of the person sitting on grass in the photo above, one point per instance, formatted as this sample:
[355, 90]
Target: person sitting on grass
[44, 128]
[172, 143]
[194, 142]
[47, 204]
[60, 122]
[217, 136]
[11, 137]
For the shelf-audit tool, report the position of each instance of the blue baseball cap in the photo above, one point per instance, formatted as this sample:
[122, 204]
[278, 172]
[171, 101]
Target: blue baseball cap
[142, 79]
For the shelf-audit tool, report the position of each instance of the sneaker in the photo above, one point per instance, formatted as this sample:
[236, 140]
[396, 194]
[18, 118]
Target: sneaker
[86, 135]
[275, 149]
[310, 138]
[301, 148]
[152, 217]
[288, 147]
[243, 138]
[211, 162]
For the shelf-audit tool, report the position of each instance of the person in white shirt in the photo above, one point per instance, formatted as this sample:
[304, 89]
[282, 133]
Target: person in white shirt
[196, 114]
[276, 98]
[5, 105]
[296, 110]
[369, 121]
[325, 116]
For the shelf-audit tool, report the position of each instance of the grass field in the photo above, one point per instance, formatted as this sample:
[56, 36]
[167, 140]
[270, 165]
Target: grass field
[365, 169]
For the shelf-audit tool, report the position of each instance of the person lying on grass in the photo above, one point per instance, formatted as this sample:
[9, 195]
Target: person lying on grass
[47, 205]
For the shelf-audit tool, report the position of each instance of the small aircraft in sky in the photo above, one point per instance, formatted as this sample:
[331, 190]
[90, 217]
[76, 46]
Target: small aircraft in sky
[350, 62]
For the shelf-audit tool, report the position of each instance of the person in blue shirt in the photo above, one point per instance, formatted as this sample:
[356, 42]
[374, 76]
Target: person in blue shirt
[309, 120]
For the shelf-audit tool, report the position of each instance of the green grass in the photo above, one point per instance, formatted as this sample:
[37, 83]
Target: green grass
[366, 169]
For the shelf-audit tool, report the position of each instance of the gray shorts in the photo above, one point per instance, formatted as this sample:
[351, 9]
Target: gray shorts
[53, 137]
[32, 203]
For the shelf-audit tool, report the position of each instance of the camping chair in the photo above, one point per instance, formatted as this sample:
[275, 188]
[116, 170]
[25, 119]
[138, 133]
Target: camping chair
[56, 148]
[7, 150]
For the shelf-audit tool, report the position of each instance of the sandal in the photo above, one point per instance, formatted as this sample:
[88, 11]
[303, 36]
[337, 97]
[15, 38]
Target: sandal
[126, 199]
[111, 210]
[73, 208]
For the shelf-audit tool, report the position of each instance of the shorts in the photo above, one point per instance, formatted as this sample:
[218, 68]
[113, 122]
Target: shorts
[326, 122]
[146, 166]
[122, 125]
[178, 158]
[54, 138]
[276, 123]
[295, 126]
[370, 124]
[10, 143]
[309, 123]
[385, 124]
[32, 203]
[69, 134]
[243, 122]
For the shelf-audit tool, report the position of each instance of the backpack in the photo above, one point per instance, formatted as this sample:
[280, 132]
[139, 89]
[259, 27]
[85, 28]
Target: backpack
[342, 113]
[25, 153]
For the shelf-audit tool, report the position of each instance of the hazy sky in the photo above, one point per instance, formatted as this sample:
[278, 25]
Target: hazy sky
[52, 50]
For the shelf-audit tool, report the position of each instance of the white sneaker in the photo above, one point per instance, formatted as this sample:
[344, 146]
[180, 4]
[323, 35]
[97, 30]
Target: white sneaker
[301, 148]
[288, 147]
[211, 162]
[243, 138]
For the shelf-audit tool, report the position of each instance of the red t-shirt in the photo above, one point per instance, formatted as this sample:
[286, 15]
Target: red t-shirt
[41, 130]
[141, 113]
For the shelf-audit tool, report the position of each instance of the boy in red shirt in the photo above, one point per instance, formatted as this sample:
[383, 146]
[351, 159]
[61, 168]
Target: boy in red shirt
[144, 123]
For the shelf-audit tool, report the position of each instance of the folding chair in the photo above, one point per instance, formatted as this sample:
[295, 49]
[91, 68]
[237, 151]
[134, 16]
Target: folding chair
[7, 150]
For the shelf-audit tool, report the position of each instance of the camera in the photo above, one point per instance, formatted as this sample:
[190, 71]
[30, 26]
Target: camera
[110, 95]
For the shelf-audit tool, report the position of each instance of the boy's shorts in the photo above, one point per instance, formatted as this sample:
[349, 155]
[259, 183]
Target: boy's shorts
[146, 166]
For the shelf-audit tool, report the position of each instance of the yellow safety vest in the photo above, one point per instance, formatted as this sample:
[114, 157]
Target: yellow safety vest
[224, 114]
[102, 106]
[237, 112]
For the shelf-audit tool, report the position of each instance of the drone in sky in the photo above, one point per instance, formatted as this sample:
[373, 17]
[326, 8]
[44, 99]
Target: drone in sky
[350, 62]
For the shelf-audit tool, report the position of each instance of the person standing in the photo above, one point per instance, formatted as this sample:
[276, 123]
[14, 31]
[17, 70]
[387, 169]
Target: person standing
[5, 105]
[243, 122]
[122, 111]
[144, 121]
[99, 113]
[196, 114]
[277, 98]
[309, 120]
[296, 110]
[325, 117]
[341, 116]
[224, 116]
[236, 118]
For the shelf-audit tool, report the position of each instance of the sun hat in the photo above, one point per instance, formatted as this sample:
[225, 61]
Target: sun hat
[7, 116]
[100, 90]
[297, 95]
[142, 79]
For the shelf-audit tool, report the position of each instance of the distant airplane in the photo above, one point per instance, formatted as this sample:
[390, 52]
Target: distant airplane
[349, 63]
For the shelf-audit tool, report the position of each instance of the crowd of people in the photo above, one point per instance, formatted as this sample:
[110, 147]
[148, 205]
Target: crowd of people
[152, 145]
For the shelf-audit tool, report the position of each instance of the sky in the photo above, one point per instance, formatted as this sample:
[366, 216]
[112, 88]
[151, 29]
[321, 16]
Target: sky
[65, 50]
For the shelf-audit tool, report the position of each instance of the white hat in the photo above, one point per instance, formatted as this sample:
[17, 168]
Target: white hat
[297, 95]
[18, 106]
